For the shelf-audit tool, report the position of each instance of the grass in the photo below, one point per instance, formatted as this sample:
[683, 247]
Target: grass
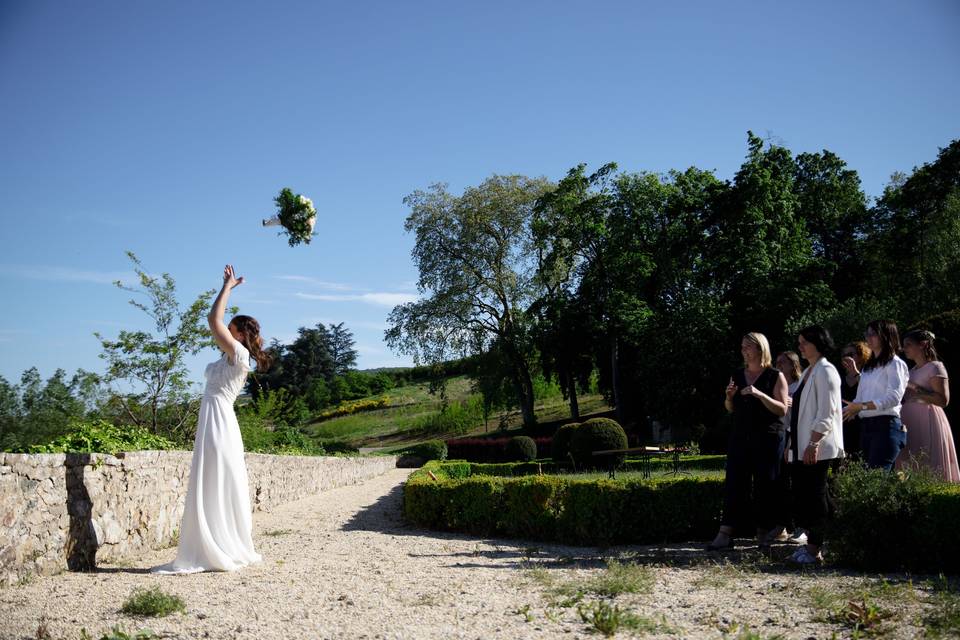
[941, 619]
[413, 409]
[152, 602]
[119, 634]
[744, 632]
[277, 532]
[863, 609]
[608, 619]
[614, 580]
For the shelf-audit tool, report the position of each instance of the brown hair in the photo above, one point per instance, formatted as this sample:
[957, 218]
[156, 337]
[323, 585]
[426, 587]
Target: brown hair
[249, 330]
[795, 369]
[923, 339]
[889, 336]
[862, 350]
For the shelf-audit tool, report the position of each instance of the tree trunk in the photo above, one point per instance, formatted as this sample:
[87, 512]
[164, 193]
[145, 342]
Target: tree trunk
[574, 405]
[524, 386]
[615, 379]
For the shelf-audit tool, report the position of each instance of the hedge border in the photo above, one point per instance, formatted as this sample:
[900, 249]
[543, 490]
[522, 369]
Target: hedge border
[596, 512]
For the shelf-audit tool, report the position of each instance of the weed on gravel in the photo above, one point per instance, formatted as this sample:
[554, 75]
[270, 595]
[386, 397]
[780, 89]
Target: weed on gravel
[616, 579]
[744, 632]
[119, 634]
[941, 619]
[608, 619]
[152, 602]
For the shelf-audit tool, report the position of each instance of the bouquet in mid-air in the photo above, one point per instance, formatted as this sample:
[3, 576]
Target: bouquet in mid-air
[296, 214]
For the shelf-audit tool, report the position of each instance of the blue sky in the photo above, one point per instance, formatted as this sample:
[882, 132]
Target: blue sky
[167, 128]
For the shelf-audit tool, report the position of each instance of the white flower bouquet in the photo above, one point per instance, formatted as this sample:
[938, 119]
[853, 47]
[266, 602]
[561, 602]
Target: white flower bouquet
[296, 214]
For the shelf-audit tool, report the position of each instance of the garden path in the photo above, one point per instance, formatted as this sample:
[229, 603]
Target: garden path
[343, 564]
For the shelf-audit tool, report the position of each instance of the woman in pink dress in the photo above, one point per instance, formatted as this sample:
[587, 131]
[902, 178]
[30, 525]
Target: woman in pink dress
[929, 440]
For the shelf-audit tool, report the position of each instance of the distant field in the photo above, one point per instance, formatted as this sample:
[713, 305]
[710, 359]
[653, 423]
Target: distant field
[397, 425]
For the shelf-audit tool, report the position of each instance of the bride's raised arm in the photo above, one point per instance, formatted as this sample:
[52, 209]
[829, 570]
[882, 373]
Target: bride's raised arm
[221, 333]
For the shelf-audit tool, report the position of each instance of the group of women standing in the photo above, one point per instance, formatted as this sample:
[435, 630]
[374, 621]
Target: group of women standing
[792, 425]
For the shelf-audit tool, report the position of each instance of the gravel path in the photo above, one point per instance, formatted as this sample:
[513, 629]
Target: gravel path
[343, 564]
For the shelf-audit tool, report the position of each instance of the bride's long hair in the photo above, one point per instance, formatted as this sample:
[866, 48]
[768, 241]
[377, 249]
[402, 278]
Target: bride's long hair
[249, 330]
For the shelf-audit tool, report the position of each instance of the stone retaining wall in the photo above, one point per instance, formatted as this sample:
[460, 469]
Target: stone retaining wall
[68, 511]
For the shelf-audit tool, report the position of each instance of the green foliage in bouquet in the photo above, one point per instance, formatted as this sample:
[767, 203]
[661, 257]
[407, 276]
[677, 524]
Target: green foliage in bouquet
[296, 214]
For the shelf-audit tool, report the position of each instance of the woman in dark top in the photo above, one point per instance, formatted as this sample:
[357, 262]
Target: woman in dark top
[757, 398]
[854, 356]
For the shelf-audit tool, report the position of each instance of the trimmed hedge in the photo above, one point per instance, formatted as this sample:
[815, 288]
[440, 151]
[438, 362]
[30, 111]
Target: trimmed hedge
[598, 434]
[884, 521]
[489, 449]
[521, 448]
[561, 442]
[558, 508]
[657, 465]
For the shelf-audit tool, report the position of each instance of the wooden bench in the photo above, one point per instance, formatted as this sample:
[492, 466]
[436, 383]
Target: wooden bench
[646, 457]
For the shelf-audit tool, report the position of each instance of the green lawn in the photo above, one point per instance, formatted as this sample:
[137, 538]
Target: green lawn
[397, 425]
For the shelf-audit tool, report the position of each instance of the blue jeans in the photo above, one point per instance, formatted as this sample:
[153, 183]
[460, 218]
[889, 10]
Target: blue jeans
[882, 438]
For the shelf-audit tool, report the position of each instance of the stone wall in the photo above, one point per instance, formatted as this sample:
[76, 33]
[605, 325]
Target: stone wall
[69, 511]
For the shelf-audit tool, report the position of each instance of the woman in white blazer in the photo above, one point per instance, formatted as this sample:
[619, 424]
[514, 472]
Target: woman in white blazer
[814, 439]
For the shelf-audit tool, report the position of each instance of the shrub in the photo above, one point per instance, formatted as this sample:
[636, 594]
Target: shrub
[521, 448]
[282, 439]
[489, 449]
[598, 434]
[456, 417]
[559, 508]
[356, 406]
[561, 442]
[429, 450]
[152, 602]
[893, 521]
[655, 465]
[102, 437]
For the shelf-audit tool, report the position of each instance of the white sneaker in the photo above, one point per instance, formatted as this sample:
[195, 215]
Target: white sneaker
[799, 536]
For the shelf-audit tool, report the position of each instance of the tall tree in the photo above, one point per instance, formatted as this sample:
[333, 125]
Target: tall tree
[761, 253]
[153, 363]
[473, 253]
[576, 262]
[833, 208]
[917, 237]
[341, 349]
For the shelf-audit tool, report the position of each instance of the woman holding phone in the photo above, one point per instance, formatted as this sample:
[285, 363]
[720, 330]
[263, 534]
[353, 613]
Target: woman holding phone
[882, 384]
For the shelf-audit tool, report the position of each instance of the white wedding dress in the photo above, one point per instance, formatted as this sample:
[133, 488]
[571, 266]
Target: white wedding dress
[215, 533]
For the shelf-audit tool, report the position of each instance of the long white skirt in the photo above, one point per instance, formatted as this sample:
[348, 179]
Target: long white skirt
[215, 533]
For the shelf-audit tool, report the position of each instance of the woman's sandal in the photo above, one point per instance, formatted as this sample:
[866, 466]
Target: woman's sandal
[713, 546]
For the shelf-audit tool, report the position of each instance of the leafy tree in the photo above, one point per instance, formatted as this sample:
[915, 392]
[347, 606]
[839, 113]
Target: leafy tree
[488, 379]
[9, 409]
[473, 255]
[341, 349]
[153, 363]
[761, 257]
[916, 244]
[833, 208]
[660, 235]
[571, 232]
[36, 412]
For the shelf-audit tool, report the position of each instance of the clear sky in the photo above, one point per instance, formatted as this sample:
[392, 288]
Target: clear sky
[166, 128]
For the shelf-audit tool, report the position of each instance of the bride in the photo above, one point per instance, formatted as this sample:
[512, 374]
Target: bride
[215, 533]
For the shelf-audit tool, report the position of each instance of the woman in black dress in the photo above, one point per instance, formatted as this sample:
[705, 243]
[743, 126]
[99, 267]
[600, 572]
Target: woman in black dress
[757, 398]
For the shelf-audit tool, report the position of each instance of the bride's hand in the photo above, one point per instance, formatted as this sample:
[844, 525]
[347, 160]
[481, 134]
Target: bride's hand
[230, 280]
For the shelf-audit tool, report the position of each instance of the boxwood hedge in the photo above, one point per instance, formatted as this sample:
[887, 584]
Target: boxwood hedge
[576, 511]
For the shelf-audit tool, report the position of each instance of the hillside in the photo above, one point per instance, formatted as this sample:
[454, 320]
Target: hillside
[413, 414]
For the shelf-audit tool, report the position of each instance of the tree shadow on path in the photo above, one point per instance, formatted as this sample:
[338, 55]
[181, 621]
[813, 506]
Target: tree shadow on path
[385, 516]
